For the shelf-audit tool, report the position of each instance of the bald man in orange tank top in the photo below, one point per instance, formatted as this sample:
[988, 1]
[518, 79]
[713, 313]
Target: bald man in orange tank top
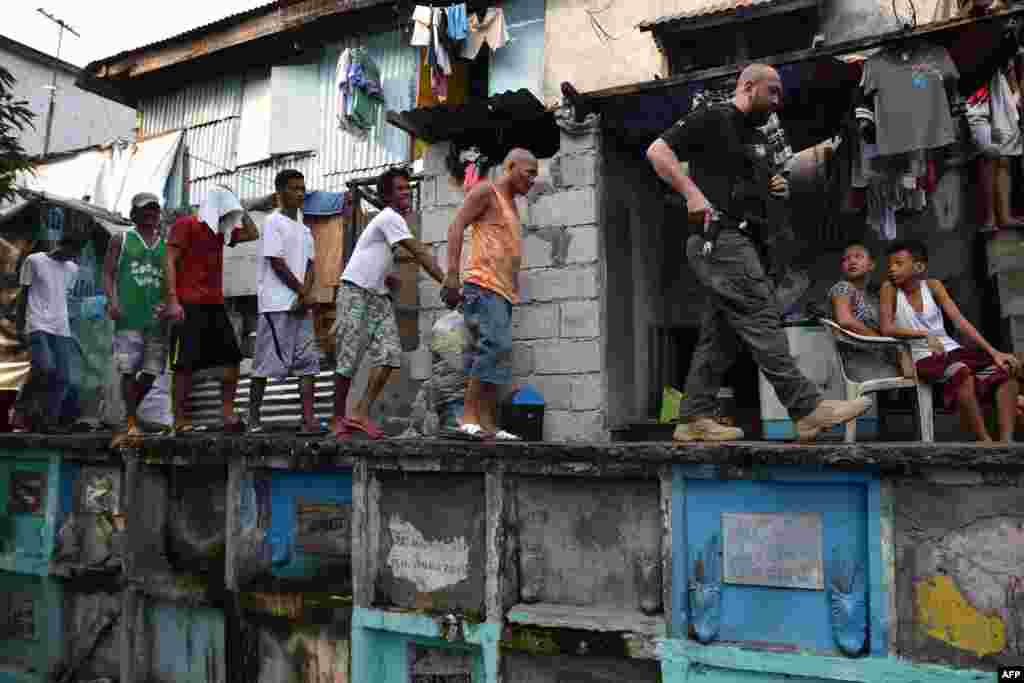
[490, 288]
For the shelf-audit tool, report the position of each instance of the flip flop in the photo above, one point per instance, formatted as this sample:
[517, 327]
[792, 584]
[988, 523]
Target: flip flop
[185, 429]
[502, 435]
[369, 428]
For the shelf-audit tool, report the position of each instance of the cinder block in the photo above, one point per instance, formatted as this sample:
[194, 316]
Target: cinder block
[583, 245]
[535, 321]
[536, 252]
[567, 357]
[569, 207]
[557, 391]
[1011, 292]
[447, 192]
[419, 362]
[581, 319]
[560, 425]
[428, 193]
[578, 170]
[574, 144]
[1005, 252]
[587, 392]
[552, 284]
[522, 359]
[434, 224]
[433, 159]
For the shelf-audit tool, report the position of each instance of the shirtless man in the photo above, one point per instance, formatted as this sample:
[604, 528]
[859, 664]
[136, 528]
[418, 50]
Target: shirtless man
[490, 289]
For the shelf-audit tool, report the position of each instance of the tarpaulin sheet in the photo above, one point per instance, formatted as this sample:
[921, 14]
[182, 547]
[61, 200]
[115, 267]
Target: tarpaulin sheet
[110, 176]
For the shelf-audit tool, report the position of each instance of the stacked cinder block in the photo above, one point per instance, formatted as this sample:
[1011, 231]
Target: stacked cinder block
[557, 328]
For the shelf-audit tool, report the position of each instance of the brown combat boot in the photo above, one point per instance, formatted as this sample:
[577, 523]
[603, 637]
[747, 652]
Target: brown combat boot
[705, 429]
[828, 414]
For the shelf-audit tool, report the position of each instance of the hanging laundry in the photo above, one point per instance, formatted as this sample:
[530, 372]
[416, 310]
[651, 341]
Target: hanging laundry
[490, 30]
[360, 91]
[422, 26]
[911, 105]
[458, 22]
[439, 23]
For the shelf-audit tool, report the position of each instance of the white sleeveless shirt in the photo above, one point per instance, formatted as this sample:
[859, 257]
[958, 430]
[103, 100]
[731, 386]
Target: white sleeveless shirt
[929, 320]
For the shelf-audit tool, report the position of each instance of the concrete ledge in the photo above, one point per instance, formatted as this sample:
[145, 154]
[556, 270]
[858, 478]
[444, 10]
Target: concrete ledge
[581, 459]
[587, 619]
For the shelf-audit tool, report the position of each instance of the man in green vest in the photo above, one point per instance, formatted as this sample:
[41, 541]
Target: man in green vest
[133, 275]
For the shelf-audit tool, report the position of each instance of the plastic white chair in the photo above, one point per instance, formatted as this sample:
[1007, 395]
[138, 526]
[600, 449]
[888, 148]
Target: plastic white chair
[925, 416]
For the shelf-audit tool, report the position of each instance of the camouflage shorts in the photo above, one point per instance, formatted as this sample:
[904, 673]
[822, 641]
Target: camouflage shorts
[365, 326]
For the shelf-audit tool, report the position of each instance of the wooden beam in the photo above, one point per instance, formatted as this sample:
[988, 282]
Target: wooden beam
[838, 49]
[245, 30]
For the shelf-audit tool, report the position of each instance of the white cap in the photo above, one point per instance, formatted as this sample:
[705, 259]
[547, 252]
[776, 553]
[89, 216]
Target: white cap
[145, 199]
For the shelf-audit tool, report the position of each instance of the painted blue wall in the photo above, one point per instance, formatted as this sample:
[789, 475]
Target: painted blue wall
[380, 642]
[763, 614]
[286, 488]
[188, 644]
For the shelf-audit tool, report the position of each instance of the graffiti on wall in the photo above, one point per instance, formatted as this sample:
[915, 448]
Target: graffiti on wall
[970, 595]
[430, 565]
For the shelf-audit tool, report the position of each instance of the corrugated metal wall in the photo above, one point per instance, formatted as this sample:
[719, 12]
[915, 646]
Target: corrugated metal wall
[211, 114]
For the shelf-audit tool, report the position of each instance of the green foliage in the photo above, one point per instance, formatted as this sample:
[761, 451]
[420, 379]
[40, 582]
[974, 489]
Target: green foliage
[15, 117]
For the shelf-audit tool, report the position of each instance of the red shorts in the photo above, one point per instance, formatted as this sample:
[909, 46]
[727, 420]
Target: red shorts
[951, 369]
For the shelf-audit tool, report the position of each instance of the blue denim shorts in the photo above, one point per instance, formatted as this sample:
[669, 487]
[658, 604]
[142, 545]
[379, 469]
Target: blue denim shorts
[489, 322]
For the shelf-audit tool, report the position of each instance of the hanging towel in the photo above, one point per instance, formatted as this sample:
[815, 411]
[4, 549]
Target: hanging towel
[458, 22]
[1005, 117]
[221, 211]
[491, 30]
[444, 61]
[421, 26]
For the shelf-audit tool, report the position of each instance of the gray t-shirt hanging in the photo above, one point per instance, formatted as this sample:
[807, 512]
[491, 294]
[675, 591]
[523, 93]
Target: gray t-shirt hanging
[909, 90]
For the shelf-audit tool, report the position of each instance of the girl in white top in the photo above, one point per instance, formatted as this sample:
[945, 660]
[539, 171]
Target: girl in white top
[912, 307]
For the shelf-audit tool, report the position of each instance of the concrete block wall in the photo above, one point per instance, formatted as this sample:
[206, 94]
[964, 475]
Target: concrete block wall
[557, 328]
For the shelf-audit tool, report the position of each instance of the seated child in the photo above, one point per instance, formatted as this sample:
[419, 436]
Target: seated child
[912, 307]
[854, 305]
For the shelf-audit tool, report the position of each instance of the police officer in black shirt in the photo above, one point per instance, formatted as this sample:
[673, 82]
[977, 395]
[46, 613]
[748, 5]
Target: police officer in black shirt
[729, 194]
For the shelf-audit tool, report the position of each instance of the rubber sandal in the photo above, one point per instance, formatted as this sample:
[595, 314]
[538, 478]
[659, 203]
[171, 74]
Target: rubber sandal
[469, 432]
[188, 428]
[257, 429]
[502, 435]
[369, 428]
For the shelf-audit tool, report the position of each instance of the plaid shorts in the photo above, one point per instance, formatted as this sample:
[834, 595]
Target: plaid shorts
[365, 326]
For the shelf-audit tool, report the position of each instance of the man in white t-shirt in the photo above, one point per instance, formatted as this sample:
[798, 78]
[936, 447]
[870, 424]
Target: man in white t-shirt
[285, 343]
[55, 356]
[365, 322]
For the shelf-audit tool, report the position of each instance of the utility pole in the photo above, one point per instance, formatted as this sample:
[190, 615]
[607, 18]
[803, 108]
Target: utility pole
[53, 86]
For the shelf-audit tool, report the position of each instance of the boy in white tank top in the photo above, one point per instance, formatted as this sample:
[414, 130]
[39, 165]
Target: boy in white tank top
[914, 306]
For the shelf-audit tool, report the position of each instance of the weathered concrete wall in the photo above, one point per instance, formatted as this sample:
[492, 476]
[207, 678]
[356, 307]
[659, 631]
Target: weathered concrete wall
[558, 328]
[596, 669]
[627, 57]
[843, 20]
[959, 552]
[81, 119]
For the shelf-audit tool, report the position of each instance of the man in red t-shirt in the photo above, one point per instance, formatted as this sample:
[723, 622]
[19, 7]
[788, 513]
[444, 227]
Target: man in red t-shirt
[203, 336]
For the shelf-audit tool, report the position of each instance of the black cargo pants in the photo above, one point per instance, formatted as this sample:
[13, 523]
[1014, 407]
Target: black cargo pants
[743, 310]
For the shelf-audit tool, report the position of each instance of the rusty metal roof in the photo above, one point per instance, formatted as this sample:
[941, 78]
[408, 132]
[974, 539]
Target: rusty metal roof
[706, 9]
